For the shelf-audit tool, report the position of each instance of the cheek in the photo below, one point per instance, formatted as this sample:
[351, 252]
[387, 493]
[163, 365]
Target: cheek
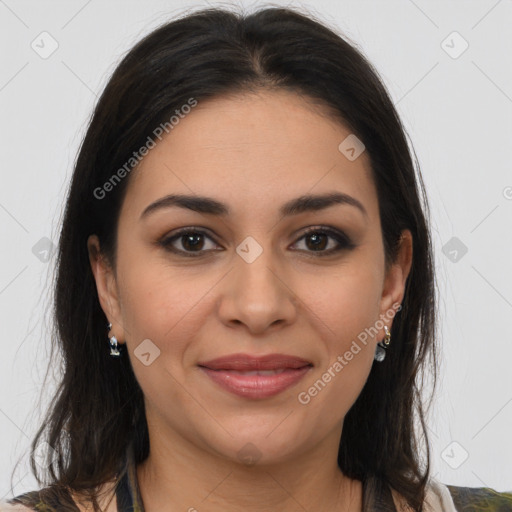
[348, 308]
[165, 305]
[169, 310]
[347, 303]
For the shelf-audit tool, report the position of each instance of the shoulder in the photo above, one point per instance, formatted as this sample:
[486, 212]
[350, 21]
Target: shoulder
[453, 498]
[449, 498]
[469, 499]
[27, 501]
[48, 500]
[8, 507]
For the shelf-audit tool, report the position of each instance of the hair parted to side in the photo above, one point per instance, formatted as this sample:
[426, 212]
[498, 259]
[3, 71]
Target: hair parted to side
[98, 408]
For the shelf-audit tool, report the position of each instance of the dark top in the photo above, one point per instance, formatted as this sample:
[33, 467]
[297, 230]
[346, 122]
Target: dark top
[376, 497]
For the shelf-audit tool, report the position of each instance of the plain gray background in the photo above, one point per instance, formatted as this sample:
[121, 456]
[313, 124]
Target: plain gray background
[456, 104]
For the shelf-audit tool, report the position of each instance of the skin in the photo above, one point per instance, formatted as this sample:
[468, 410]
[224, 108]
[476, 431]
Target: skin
[252, 152]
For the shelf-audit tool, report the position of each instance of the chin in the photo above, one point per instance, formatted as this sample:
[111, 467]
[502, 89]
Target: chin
[259, 446]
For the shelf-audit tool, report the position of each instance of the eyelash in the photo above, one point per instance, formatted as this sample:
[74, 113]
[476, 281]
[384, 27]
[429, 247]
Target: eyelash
[344, 242]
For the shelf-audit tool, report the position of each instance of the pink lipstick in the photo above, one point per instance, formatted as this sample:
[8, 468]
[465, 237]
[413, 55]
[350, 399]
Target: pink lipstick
[256, 377]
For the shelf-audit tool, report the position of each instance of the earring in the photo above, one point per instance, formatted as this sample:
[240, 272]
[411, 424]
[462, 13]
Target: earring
[380, 351]
[114, 348]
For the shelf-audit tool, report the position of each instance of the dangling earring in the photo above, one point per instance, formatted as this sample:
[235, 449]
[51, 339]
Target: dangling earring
[380, 351]
[114, 348]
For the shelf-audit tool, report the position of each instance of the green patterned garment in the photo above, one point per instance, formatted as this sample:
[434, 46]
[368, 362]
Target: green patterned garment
[376, 497]
[480, 499]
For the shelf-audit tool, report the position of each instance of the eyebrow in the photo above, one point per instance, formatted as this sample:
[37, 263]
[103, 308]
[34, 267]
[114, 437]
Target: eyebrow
[208, 205]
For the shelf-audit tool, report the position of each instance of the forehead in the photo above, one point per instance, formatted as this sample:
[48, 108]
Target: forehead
[238, 148]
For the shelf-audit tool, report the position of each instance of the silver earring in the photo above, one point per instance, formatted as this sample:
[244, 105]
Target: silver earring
[114, 348]
[380, 351]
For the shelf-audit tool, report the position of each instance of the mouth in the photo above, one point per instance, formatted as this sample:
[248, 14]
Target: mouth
[256, 377]
[248, 363]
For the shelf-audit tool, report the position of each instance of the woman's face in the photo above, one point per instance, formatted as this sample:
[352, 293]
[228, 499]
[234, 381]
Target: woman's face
[249, 280]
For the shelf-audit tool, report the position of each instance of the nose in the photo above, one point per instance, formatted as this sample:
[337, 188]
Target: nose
[258, 295]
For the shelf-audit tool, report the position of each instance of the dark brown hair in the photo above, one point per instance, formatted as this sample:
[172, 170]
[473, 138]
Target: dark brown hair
[98, 408]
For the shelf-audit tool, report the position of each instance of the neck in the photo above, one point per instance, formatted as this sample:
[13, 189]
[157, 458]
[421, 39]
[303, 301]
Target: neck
[177, 475]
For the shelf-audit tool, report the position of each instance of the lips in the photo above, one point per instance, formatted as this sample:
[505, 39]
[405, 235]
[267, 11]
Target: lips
[256, 377]
[248, 363]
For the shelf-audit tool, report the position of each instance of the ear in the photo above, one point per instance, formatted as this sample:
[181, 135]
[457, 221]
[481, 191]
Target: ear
[107, 287]
[395, 280]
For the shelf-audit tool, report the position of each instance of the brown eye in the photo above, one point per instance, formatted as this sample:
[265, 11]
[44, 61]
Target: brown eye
[187, 242]
[325, 241]
[318, 241]
[192, 242]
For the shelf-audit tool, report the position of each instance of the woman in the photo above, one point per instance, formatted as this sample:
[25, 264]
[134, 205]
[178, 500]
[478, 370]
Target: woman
[245, 290]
